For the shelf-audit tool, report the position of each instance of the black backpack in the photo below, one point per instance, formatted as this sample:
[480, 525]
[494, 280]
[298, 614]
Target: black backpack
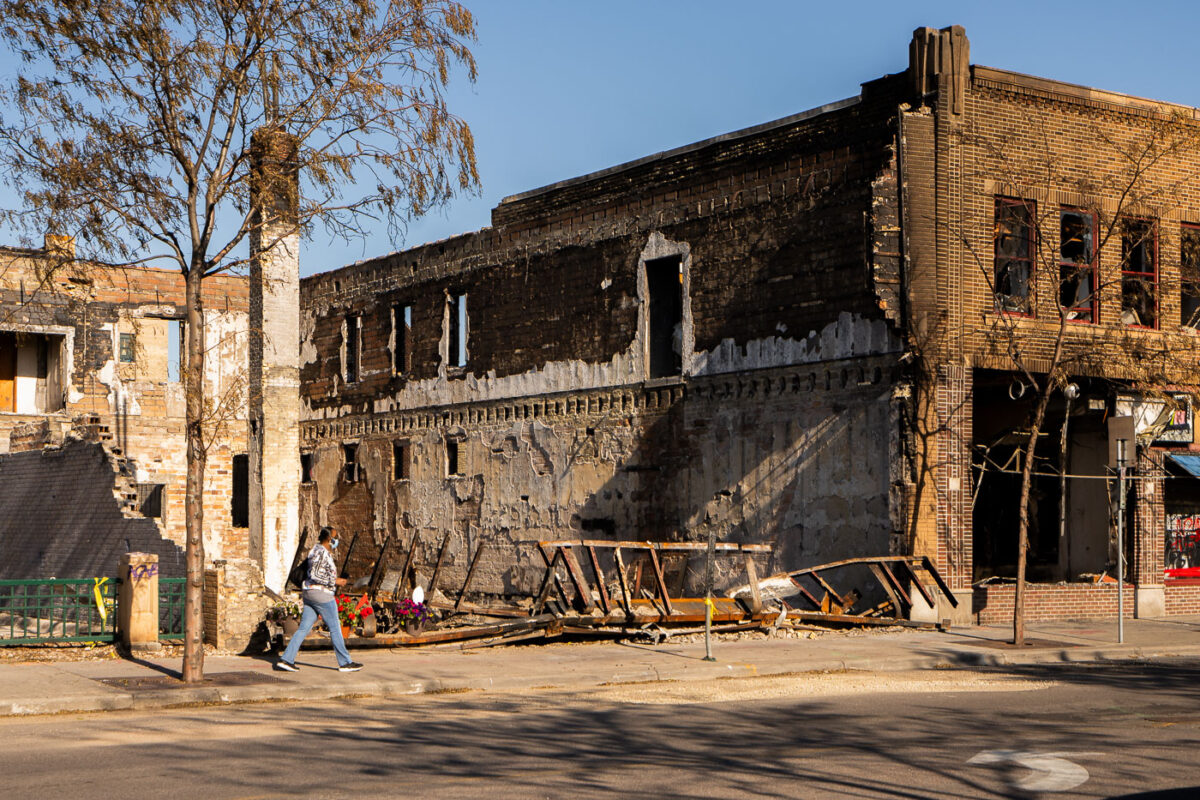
[299, 574]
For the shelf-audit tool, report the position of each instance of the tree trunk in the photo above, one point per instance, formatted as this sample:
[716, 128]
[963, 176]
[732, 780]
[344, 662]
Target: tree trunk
[193, 647]
[1035, 427]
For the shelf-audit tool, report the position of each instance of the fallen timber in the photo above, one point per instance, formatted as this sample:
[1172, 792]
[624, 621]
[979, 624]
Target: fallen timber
[579, 596]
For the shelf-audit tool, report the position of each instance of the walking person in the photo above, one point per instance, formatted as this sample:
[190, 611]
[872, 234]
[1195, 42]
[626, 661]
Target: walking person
[319, 588]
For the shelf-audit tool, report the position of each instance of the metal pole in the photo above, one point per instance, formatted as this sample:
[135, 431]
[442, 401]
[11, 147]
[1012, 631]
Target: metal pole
[1121, 557]
[708, 581]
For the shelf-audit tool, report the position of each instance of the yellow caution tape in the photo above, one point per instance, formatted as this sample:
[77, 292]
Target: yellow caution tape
[101, 606]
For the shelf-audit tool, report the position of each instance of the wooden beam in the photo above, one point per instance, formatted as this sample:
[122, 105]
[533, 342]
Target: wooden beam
[752, 578]
[562, 593]
[408, 559]
[582, 588]
[719, 546]
[437, 568]
[624, 581]
[548, 581]
[891, 593]
[605, 602]
[470, 574]
[662, 585]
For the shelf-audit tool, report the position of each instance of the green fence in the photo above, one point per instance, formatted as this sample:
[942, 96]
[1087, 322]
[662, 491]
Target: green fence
[78, 610]
[58, 610]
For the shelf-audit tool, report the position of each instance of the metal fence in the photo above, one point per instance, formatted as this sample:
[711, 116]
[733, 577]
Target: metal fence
[78, 610]
[171, 592]
[58, 610]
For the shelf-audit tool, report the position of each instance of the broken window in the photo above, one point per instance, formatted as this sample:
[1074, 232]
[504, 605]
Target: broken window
[1013, 261]
[31, 372]
[1139, 273]
[1077, 264]
[350, 468]
[1189, 276]
[457, 314]
[306, 468]
[174, 350]
[149, 499]
[352, 349]
[399, 460]
[664, 284]
[239, 502]
[126, 348]
[454, 458]
[402, 335]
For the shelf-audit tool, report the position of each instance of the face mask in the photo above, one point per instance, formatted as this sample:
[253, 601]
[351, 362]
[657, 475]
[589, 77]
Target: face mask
[334, 543]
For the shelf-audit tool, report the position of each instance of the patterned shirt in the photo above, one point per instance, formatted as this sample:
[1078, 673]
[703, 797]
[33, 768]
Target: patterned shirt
[321, 569]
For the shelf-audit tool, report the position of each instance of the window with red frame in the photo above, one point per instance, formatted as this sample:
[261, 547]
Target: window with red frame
[1189, 276]
[1139, 273]
[1077, 264]
[1013, 262]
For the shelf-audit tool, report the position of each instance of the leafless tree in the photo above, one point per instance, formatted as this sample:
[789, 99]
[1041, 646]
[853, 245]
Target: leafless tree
[132, 124]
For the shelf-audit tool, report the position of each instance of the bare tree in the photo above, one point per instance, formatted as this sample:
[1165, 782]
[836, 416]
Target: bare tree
[133, 127]
[1138, 178]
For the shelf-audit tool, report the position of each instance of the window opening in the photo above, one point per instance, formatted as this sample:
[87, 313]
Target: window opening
[402, 327]
[306, 468]
[1013, 260]
[174, 350]
[352, 348]
[126, 348]
[149, 499]
[664, 284]
[31, 372]
[399, 460]
[1139, 274]
[1077, 264]
[453, 458]
[457, 350]
[239, 503]
[1189, 276]
[350, 470]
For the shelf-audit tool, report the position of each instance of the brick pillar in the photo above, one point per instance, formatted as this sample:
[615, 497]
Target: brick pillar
[274, 412]
[1147, 542]
[137, 602]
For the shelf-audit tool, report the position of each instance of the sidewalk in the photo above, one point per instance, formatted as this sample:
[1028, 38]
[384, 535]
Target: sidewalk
[56, 687]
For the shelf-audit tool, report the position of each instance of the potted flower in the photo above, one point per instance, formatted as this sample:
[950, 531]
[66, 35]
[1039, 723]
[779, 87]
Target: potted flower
[352, 611]
[286, 615]
[412, 615]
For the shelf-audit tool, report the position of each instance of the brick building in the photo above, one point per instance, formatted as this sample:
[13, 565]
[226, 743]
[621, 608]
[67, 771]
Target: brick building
[803, 332]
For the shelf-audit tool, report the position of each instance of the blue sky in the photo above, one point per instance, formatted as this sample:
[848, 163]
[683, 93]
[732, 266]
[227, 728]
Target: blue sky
[572, 86]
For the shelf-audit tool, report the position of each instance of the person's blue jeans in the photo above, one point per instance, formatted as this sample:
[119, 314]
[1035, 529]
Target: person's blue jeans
[308, 618]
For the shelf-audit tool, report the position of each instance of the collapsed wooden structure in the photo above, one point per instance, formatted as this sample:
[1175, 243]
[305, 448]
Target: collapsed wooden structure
[624, 588]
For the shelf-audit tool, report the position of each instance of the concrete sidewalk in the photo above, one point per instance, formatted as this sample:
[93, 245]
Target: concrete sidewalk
[100, 685]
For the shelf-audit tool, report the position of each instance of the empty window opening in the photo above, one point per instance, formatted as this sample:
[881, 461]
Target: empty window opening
[1189, 276]
[457, 313]
[174, 350]
[1139, 274]
[664, 284]
[399, 461]
[239, 504]
[1077, 264]
[352, 349]
[127, 348]
[454, 458]
[31, 370]
[402, 335]
[149, 498]
[350, 469]
[306, 468]
[1013, 261]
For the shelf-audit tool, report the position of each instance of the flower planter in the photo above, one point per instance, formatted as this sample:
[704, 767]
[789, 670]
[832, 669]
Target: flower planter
[414, 627]
[290, 625]
[345, 632]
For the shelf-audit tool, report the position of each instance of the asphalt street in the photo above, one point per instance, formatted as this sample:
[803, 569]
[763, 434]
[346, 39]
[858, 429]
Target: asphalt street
[1071, 731]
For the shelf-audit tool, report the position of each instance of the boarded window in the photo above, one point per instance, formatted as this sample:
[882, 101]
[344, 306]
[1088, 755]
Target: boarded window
[149, 498]
[1139, 273]
[402, 336]
[239, 505]
[126, 348]
[350, 466]
[664, 283]
[399, 460]
[1077, 264]
[352, 349]
[1189, 278]
[1013, 261]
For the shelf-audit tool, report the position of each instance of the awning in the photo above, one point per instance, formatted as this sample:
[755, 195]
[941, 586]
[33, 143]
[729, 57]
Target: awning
[1189, 464]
